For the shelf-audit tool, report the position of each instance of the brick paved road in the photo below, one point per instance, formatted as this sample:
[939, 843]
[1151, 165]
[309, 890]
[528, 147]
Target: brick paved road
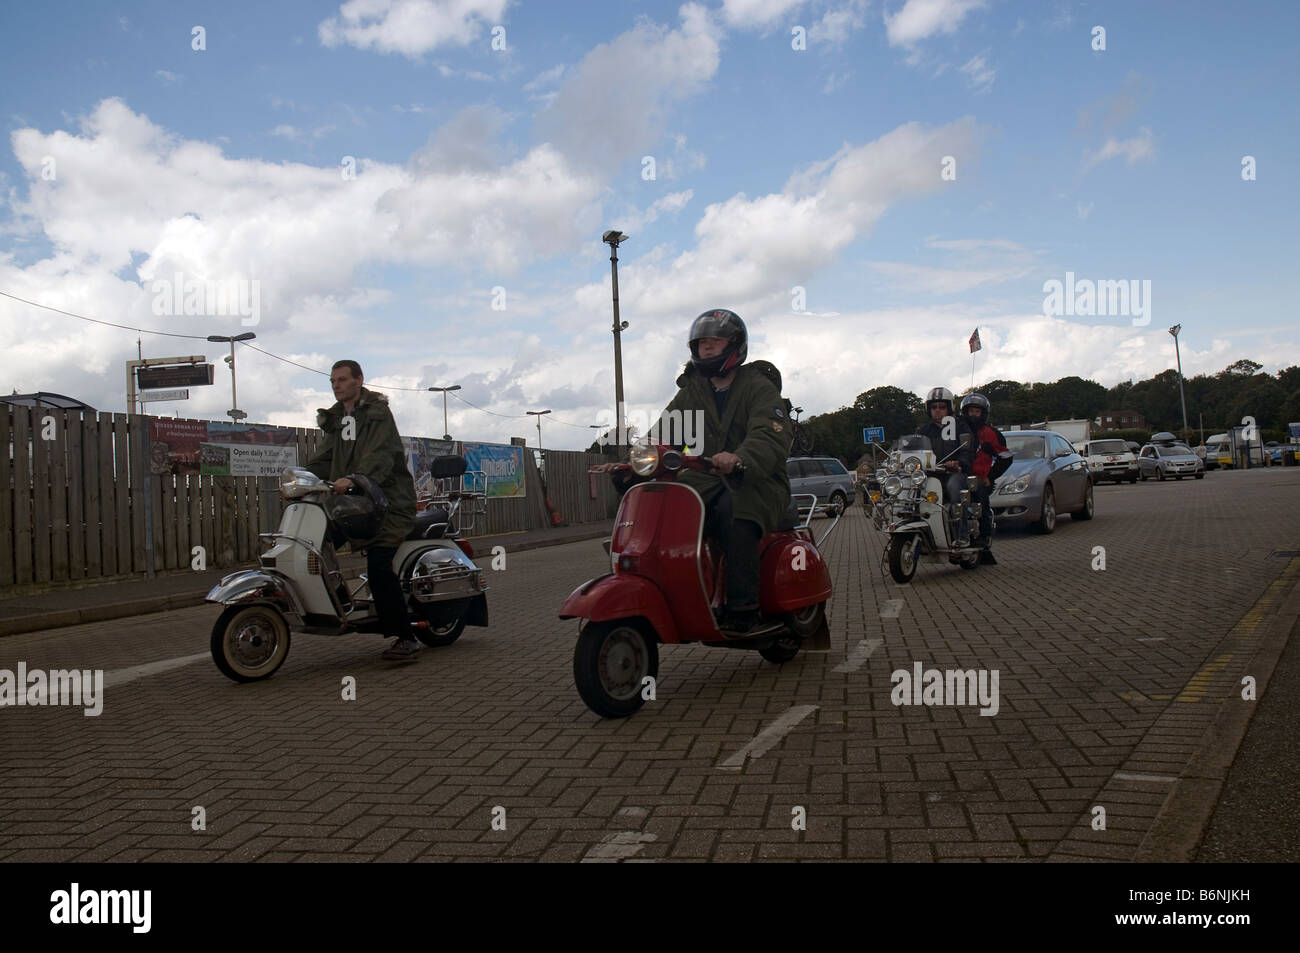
[1108, 681]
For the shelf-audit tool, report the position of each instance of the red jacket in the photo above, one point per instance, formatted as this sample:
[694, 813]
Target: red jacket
[992, 456]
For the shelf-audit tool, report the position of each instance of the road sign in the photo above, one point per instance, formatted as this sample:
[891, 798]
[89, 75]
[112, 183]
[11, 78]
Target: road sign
[180, 375]
[165, 395]
[236, 414]
[873, 434]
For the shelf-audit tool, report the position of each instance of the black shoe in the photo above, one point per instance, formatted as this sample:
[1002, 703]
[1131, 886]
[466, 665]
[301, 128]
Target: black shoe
[986, 558]
[402, 650]
[963, 542]
[746, 624]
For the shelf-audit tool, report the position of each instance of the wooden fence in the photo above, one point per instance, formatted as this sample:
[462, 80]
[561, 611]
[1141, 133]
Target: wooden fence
[78, 501]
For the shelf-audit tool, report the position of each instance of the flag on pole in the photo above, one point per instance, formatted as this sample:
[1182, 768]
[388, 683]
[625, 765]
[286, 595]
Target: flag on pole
[975, 341]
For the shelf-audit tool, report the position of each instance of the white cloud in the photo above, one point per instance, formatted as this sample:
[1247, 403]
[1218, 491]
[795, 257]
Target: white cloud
[1082, 210]
[615, 102]
[286, 131]
[750, 250]
[838, 24]
[167, 76]
[929, 280]
[755, 14]
[920, 19]
[980, 74]
[410, 27]
[836, 81]
[1141, 146]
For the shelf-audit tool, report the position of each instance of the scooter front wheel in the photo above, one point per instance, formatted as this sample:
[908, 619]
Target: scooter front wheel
[903, 552]
[611, 662]
[250, 642]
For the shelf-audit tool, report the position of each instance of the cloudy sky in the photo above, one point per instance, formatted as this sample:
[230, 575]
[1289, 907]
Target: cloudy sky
[422, 185]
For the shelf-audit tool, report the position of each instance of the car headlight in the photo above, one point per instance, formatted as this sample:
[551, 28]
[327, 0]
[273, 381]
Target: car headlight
[892, 485]
[644, 460]
[1019, 486]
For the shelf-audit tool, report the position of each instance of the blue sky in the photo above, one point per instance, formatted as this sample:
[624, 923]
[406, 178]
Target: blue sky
[775, 169]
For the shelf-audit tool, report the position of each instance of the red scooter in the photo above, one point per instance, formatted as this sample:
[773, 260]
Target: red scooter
[667, 584]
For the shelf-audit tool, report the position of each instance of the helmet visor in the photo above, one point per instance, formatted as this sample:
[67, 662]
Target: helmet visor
[714, 324]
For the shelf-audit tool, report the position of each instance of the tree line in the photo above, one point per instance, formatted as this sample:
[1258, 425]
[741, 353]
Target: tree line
[1219, 400]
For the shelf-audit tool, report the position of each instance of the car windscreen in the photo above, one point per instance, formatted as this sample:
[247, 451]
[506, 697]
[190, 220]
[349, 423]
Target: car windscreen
[1175, 452]
[1107, 446]
[1025, 447]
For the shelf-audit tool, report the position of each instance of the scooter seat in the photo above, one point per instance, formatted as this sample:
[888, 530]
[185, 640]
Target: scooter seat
[429, 524]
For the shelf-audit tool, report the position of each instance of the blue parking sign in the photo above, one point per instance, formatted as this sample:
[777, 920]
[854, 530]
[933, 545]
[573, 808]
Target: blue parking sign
[873, 434]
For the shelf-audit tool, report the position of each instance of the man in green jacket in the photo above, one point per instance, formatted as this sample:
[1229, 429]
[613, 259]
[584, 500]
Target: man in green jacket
[361, 437]
[746, 432]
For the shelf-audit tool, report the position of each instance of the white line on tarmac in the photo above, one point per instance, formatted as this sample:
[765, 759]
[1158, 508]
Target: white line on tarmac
[1133, 776]
[892, 608]
[616, 847]
[124, 675]
[767, 739]
[861, 652]
[1158, 638]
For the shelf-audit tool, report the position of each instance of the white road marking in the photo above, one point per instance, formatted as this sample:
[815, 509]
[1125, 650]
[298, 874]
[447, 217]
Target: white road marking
[892, 608]
[1157, 638]
[1132, 776]
[861, 652]
[632, 812]
[767, 739]
[124, 675]
[616, 847]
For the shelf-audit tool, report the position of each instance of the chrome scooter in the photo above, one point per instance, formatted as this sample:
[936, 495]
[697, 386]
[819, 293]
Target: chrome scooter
[299, 586]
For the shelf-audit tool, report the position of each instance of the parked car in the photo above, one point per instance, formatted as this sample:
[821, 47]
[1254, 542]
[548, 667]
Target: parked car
[1275, 452]
[824, 476]
[1110, 460]
[1046, 478]
[1163, 461]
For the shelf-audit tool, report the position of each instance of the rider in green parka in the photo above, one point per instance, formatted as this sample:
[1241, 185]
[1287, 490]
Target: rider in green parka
[744, 422]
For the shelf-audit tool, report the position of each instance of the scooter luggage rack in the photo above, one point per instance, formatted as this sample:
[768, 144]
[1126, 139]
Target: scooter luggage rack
[451, 494]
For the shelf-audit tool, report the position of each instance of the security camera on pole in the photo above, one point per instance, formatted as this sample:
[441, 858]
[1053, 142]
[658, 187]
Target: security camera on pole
[234, 413]
[1174, 331]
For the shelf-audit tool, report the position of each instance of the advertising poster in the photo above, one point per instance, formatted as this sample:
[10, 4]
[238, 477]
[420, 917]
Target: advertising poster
[420, 454]
[240, 450]
[175, 446]
[503, 465]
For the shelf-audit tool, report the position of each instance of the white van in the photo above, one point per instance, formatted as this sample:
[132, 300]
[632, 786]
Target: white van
[1109, 460]
[1219, 449]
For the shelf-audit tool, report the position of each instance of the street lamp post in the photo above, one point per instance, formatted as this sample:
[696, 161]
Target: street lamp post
[446, 435]
[538, 415]
[613, 238]
[234, 413]
[1174, 331]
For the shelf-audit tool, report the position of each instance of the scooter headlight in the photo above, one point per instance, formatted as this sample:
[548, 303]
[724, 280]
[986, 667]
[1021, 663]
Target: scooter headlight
[892, 485]
[918, 479]
[911, 465]
[296, 482]
[644, 460]
[891, 466]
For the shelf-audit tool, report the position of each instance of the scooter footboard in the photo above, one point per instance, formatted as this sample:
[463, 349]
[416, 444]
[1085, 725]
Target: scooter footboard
[610, 597]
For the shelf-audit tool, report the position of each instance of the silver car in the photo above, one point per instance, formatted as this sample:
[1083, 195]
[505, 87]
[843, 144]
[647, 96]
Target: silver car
[825, 477]
[1046, 478]
[1163, 461]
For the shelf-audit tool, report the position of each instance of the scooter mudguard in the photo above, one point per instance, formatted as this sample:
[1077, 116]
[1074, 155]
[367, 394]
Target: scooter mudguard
[254, 587]
[610, 597]
[922, 529]
[793, 575]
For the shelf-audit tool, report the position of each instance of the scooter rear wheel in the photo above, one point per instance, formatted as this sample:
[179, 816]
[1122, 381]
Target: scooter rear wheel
[611, 662]
[250, 642]
[444, 634]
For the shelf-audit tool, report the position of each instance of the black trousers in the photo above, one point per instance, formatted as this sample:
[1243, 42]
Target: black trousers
[954, 483]
[739, 540]
[984, 496]
[386, 591]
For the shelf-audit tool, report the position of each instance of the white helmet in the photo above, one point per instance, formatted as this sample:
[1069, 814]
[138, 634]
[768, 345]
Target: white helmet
[939, 395]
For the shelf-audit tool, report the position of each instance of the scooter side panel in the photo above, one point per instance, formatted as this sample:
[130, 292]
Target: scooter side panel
[621, 597]
[792, 575]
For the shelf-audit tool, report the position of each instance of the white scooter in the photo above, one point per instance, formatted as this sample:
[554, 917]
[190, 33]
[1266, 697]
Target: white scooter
[908, 504]
[300, 587]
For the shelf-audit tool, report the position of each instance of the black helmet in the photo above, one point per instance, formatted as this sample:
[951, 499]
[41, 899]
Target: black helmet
[976, 400]
[359, 512]
[719, 323]
[939, 395]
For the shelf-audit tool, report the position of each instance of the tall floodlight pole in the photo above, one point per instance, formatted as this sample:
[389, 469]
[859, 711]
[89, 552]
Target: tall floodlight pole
[538, 415]
[613, 238]
[1174, 331]
[234, 413]
[446, 433]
